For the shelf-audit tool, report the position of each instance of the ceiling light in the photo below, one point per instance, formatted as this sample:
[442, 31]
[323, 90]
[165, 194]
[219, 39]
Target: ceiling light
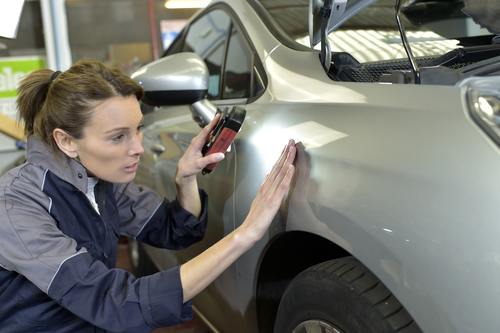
[177, 4]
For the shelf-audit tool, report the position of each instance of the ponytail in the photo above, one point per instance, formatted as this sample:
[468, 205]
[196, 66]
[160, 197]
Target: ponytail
[32, 93]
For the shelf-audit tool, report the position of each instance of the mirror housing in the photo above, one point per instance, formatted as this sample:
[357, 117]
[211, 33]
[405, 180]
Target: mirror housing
[177, 79]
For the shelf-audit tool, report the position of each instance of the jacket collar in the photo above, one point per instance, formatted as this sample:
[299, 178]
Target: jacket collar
[67, 169]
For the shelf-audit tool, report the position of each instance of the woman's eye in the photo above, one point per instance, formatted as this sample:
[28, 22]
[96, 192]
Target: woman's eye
[119, 137]
[139, 128]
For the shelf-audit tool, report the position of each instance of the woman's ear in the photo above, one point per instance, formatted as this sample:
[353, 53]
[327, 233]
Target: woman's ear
[65, 142]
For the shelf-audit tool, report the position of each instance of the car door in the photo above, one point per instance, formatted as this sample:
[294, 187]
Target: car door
[216, 38]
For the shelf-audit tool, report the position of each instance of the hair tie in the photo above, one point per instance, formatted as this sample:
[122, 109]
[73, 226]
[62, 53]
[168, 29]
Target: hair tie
[53, 76]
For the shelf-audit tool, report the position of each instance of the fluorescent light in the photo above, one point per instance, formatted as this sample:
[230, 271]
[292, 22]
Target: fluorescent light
[177, 4]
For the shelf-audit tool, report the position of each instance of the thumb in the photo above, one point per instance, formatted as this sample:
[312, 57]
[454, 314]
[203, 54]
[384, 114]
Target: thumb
[212, 158]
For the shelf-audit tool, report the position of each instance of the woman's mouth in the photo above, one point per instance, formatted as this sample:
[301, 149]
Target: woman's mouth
[131, 168]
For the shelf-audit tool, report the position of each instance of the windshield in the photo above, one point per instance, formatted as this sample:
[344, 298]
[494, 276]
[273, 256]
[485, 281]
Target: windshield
[432, 28]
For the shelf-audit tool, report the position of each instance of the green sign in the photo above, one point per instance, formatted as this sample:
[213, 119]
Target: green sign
[13, 69]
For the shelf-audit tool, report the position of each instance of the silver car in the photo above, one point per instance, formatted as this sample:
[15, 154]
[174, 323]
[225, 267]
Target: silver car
[392, 220]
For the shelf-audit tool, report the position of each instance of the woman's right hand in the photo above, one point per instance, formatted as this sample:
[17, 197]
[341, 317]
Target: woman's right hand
[270, 195]
[199, 272]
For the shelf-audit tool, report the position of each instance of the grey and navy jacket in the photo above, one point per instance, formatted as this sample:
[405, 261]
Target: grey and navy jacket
[57, 254]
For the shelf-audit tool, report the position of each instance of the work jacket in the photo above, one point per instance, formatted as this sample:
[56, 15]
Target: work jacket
[57, 253]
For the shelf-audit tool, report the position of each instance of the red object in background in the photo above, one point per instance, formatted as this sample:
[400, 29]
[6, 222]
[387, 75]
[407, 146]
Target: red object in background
[152, 26]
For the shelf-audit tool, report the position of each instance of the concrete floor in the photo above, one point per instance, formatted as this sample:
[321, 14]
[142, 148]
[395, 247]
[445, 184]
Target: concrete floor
[193, 326]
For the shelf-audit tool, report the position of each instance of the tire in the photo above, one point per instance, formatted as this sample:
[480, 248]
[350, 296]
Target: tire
[341, 296]
[141, 264]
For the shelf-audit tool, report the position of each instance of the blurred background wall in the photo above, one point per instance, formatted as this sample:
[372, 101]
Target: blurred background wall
[123, 33]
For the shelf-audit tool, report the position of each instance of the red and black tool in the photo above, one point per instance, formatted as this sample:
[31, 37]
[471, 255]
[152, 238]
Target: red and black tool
[224, 133]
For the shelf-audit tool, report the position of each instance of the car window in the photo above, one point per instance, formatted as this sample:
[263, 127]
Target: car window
[237, 71]
[207, 38]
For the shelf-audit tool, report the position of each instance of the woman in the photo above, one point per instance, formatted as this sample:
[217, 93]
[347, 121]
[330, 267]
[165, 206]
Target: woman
[62, 212]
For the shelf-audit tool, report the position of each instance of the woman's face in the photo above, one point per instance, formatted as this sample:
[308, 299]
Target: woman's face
[112, 142]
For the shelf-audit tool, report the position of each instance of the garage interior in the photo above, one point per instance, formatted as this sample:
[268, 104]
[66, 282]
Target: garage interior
[391, 213]
[123, 33]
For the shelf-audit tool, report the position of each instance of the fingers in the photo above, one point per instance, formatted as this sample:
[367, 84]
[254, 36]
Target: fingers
[203, 137]
[278, 180]
[272, 192]
[193, 161]
[286, 159]
[274, 171]
[210, 127]
[285, 183]
[198, 164]
[286, 169]
[209, 159]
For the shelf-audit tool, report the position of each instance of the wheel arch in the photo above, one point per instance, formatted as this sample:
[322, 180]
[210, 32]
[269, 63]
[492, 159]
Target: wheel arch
[285, 257]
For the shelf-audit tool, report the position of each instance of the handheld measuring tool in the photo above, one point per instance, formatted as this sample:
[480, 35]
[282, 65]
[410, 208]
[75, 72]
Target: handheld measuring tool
[224, 133]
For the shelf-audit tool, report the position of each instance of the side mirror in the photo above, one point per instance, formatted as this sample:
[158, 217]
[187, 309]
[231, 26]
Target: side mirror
[177, 79]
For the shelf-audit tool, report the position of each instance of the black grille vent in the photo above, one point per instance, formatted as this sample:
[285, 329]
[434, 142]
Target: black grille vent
[371, 72]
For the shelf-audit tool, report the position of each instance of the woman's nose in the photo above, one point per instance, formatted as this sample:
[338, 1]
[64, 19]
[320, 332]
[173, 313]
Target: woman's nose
[136, 145]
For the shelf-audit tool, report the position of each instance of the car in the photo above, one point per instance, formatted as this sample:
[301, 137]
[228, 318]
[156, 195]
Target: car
[391, 221]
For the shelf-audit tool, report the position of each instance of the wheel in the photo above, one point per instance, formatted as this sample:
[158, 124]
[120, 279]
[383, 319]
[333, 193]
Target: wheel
[141, 264]
[341, 296]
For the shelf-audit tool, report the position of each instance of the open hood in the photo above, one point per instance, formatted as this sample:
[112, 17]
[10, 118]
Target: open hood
[486, 13]
[342, 10]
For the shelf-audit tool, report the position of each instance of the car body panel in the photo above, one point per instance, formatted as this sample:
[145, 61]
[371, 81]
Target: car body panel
[382, 199]
[399, 176]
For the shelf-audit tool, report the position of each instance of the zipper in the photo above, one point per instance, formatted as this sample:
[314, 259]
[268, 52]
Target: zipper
[102, 220]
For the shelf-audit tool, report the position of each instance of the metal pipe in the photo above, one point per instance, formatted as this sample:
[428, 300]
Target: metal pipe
[60, 24]
[325, 16]
[48, 29]
[416, 70]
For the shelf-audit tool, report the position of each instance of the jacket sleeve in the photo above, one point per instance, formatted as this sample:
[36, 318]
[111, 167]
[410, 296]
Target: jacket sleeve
[112, 299]
[158, 222]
